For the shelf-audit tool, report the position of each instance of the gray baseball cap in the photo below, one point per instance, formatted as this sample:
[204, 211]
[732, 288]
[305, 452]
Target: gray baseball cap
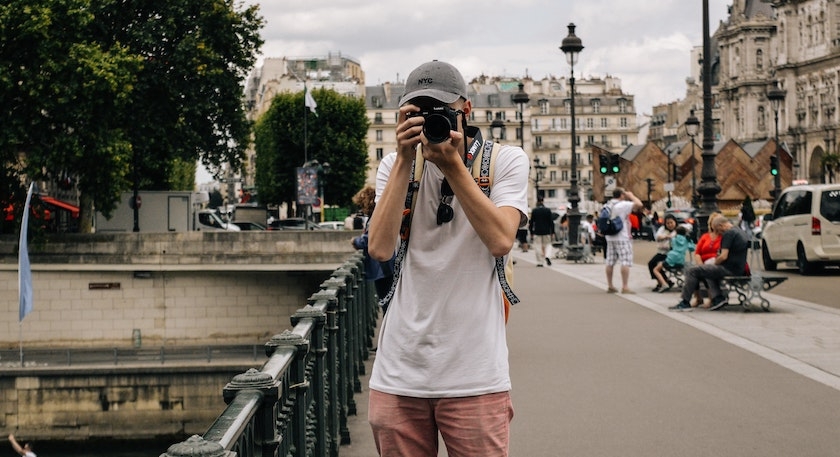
[435, 79]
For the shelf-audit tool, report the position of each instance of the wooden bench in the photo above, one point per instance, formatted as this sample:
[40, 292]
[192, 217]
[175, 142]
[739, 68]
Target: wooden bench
[749, 288]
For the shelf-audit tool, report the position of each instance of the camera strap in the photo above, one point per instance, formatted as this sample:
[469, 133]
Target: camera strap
[486, 151]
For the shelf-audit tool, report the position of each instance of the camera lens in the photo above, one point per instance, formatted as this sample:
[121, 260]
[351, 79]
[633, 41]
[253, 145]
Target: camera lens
[436, 128]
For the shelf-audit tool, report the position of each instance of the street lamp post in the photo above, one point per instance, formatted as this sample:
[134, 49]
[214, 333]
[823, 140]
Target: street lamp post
[692, 127]
[670, 185]
[539, 172]
[709, 187]
[521, 99]
[572, 46]
[776, 95]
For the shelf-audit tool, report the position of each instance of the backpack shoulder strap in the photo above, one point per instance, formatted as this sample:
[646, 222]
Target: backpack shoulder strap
[486, 160]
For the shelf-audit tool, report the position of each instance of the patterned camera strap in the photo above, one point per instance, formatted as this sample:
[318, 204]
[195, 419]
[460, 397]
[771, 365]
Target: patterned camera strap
[484, 181]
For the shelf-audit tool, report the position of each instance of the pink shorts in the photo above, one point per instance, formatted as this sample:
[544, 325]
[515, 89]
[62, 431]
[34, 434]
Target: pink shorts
[470, 426]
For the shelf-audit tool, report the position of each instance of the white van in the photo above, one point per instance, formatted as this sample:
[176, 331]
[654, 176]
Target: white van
[804, 227]
[209, 220]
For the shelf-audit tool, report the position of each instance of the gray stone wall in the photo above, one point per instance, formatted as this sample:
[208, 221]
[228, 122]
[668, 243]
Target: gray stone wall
[175, 288]
[138, 403]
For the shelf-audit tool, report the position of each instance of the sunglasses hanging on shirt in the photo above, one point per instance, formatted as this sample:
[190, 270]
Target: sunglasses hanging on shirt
[445, 213]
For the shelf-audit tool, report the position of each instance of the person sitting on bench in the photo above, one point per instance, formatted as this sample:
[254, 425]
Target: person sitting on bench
[731, 261]
[675, 258]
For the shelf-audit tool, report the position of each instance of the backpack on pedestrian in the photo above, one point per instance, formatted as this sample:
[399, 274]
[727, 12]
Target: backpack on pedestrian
[607, 224]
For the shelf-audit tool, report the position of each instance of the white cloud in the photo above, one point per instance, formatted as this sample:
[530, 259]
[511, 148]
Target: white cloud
[645, 44]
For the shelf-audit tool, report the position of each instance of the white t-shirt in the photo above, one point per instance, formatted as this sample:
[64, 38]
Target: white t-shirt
[444, 332]
[622, 209]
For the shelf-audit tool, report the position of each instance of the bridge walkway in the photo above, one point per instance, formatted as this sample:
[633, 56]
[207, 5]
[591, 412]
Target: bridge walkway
[597, 374]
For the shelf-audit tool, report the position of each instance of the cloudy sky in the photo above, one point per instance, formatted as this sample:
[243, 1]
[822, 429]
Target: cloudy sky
[644, 43]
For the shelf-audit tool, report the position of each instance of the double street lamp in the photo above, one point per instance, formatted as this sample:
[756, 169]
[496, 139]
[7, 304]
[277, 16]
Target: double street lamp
[572, 46]
[776, 95]
[692, 128]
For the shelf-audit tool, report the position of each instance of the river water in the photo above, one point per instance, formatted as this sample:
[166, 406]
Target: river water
[101, 448]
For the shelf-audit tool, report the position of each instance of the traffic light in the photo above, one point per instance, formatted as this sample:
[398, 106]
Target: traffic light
[604, 163]
[615, 166]
[774, 165]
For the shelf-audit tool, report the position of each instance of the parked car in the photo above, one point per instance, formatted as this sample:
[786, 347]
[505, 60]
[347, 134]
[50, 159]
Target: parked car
[248, 225]
[804, 227]
[293, 223]
[332, 225]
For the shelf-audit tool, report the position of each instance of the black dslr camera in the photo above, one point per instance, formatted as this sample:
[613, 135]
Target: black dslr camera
[439, 120]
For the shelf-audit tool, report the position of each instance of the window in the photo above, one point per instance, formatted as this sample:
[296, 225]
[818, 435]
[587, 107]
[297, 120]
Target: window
[538, 141]
[379, 153]
[377, 118]
[564, 123]
[830, 205]
[624, 140]
[376, 101]
[379, 135]
[536, 124]
[759, 60]
[590, 123]
[622, 105]
[564, 175]
[544, 106]
[489, 115]
[603, 139]
[623, 122]
[590, 139]
[552, 158]
[604, 123]
[596, 105]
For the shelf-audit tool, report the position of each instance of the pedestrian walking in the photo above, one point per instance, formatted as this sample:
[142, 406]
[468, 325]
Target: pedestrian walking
[542, 231]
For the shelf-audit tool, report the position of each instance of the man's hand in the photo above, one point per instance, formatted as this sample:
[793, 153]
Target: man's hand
[409, 131]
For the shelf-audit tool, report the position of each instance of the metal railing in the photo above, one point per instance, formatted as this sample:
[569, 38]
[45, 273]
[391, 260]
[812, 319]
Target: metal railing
[76, 357]
[298, 402]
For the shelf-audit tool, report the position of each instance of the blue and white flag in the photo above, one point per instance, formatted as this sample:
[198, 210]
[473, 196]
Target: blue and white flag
[24, 269]
[309, 101]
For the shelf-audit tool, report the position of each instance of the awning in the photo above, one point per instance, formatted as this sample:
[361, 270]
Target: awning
[74, 210]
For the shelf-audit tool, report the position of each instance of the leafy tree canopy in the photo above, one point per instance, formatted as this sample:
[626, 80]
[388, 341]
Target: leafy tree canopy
[91, 89]
[288, 135]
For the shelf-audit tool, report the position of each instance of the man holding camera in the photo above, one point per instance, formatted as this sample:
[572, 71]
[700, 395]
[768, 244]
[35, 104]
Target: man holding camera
[442, 360]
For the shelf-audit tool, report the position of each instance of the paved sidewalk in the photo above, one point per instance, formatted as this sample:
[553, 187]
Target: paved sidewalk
[801, 336]
[599, 374]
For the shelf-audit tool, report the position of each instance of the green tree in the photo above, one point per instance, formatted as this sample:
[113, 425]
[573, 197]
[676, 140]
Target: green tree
[93, 89]
[59, 90]
[335, 136]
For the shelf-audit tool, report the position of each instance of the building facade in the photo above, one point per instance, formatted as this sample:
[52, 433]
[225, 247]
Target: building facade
[604, 115]
[794, 43]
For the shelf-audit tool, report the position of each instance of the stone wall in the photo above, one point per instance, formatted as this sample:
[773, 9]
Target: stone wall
[137, 403]
[174, 288]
